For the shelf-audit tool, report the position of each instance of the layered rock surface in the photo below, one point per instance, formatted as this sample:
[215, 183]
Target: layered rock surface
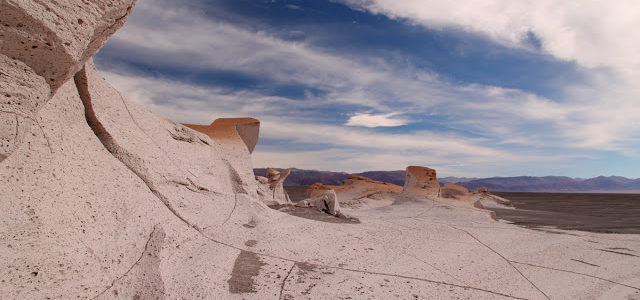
[103, 199]
[363, 192]
[421, 183]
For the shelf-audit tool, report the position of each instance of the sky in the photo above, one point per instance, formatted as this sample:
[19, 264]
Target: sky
[473, 88]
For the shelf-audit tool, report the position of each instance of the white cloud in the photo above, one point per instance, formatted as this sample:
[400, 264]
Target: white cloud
[599, 117]
[594, 33]
[371, 121]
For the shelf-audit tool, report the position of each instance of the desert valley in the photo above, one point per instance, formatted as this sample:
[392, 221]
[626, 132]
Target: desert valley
[100, 198]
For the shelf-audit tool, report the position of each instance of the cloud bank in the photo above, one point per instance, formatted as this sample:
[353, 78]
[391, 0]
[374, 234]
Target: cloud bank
[345, 116]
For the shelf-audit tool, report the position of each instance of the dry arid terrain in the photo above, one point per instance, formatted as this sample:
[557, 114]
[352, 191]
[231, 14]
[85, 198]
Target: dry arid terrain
[102, 199]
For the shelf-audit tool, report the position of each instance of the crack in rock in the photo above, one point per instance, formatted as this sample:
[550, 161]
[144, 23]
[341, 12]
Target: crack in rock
[145, 279]
[107, 140]
[284, 281]
[505, 259]
[584, 262]
[577, 273]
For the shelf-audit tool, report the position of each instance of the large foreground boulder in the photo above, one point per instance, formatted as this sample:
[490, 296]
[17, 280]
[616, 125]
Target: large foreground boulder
[42, 45]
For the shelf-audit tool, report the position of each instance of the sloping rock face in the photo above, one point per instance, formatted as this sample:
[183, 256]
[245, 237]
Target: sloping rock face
[185, 169]
[43, 44]
[102, 192]
[95, 194]
[271, 189]
[362, 192]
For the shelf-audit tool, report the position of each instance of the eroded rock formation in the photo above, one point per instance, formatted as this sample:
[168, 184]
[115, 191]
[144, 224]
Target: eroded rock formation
[363, 192]
[453, 191]
[323, 198]
[43, 44]
[271, 189]
[241, 131]
[420, 184]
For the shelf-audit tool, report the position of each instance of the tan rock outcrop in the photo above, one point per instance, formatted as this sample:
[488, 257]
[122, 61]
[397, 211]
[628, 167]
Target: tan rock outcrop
[420, 183]
[453, 191]
[362, 192]
[43, 44]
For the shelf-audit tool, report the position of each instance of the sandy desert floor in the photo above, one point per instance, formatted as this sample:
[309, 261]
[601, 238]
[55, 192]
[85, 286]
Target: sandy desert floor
[607, 213]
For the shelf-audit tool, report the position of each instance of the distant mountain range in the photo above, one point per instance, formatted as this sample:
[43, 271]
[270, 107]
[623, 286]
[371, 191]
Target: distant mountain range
[300, 177]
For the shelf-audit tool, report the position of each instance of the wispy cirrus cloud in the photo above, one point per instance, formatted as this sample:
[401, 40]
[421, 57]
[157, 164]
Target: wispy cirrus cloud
[344, 103]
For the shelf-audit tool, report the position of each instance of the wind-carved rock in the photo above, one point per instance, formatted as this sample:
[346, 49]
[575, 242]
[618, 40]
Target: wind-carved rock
[453, 191]
[98, 173]
[362, 192]
[241, 131]
[420, 183]
[323, 198]
[271, 189]
[43, 44]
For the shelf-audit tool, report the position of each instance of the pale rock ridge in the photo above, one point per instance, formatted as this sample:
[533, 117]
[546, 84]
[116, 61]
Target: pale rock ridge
[90, 188]
[184, 168]
[450, 190]
[271, 189]
[63, 194]
[42, 44]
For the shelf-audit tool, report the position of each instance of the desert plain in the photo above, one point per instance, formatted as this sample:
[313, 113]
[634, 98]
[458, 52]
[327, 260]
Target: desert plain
[102, 199]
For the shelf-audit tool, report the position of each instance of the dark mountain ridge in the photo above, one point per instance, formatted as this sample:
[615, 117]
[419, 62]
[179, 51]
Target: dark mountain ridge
[301, 177]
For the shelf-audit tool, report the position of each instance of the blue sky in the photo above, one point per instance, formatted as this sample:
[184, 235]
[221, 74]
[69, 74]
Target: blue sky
[480, 88]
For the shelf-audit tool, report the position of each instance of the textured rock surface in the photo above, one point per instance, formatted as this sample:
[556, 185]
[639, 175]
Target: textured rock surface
[235, 130]
[271, 190]
[420, 184]
[42, 44]
[422, 180]
[451, 190]
[103, 199]
[363, 192]
[323, 198]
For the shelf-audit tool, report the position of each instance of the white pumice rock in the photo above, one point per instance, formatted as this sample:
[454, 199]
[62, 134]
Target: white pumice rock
[43, 44]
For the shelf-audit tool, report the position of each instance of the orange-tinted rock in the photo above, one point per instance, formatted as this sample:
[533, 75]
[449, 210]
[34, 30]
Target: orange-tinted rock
[450, 190]
[422, 180]
[238, 130]
[362, 192]
[483, 190]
